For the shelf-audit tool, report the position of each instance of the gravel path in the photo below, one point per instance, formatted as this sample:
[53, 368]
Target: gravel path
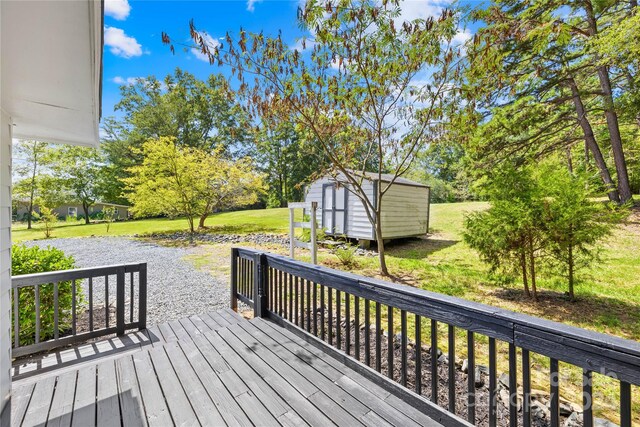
[175, 289]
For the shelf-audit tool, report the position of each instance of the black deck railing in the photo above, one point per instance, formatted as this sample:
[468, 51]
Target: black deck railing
[343, 310]
[51, 293]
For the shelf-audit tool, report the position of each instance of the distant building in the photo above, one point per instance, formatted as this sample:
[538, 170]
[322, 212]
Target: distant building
[74, 210]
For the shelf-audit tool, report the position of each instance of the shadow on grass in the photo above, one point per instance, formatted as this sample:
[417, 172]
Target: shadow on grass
[417, 248]
[604, 314]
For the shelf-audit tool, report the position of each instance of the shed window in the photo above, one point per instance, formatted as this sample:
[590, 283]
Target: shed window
[72, 211]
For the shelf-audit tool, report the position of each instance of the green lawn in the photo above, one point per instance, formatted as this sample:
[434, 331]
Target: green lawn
[266, 220]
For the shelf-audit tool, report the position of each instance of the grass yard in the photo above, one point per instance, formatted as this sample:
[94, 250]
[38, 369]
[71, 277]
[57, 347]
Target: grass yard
[265, 220]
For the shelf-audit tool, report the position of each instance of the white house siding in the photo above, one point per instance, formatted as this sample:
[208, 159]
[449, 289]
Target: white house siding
[5, 265]
[405, 211]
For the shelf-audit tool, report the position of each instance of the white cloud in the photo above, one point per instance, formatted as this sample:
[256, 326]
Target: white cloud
[210, 41]
[129, 81]
[308, 45]
[120, 43]
[420, 9]
[118, 9]
[461, 37]
[251, 4]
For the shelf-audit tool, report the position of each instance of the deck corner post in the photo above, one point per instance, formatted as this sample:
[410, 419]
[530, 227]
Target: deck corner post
[119, 301]
[260, 284]
[142, 295]
[234, 279]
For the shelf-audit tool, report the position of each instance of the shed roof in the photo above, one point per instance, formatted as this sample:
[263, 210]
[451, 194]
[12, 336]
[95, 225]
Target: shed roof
[387, 177]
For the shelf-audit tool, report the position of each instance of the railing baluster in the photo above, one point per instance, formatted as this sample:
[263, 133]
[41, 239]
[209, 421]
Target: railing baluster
[322, 310]
[513, 386]
[356, 326]
[471, 381]
[378, 338]
[234, 279]
[315, 309]
[56, 311]
[434, 361]
[526, 389]
[347, 321]
[281, 292]
[106, 301]
[403, 349]
[390, 341]
[367, 332]
[452, 368]
[587, 398]
[120, 287]
[330, 320]
[290, 312]
[493, 385]
[339, 319]
[554, 399]
[296, 313]
[418, 354]
[91, 304]
[37, 300]
[309, 305]
[142, 297]
[16, 317]
[131, 297]
[625, 404]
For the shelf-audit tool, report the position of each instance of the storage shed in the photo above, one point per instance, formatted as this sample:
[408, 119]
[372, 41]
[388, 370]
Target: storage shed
[405, 207]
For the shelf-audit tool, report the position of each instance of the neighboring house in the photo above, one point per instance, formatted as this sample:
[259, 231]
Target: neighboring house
[51, 80]
[405, 208]
[75, 210]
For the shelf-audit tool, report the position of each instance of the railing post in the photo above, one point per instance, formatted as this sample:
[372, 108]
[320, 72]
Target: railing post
[234, 279]
[119, 301]
[260, 284]
[142, 294]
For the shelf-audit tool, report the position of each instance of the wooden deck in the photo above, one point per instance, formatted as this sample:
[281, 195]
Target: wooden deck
[213, 369]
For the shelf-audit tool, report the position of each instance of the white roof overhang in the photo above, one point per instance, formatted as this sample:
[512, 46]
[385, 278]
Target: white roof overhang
[51, 59]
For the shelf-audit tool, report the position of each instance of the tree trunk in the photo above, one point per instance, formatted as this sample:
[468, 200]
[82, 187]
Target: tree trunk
[569, 160]
[592, 144]
[523, 265]
[380, 241]
[624, 190]
[532, 268]
[570, 262]
[203, 218]
[85, 208]
[191, 228]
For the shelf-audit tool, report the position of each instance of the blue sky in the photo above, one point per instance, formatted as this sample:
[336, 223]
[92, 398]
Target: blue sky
[133, 46]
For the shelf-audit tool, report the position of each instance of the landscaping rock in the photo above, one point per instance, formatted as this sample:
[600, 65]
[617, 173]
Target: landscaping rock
[479, 381]
[601, 422]
[465, 366]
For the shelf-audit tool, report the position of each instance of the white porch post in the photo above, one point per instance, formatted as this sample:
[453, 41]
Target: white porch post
[5, 269]
[5, 266]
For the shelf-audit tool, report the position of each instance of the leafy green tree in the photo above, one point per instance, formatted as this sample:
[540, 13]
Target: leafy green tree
[48, 218]
[80, 171]
[31, 157]
[508, 235]
[185, 181]
[535, 73]
[573, 222]
[199, 114]
[287, 160]
[109, 215]
[372, 92]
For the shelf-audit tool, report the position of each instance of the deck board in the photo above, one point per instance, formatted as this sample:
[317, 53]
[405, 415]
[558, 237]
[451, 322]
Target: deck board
[210, 369]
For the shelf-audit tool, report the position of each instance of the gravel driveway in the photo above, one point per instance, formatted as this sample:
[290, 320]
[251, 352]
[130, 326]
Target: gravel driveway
[175, 289]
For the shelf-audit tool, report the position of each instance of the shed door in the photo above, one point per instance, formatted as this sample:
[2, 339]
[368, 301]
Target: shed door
[334, 209]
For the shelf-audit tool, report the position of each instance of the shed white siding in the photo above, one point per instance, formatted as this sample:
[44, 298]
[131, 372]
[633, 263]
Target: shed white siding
[405, 210]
